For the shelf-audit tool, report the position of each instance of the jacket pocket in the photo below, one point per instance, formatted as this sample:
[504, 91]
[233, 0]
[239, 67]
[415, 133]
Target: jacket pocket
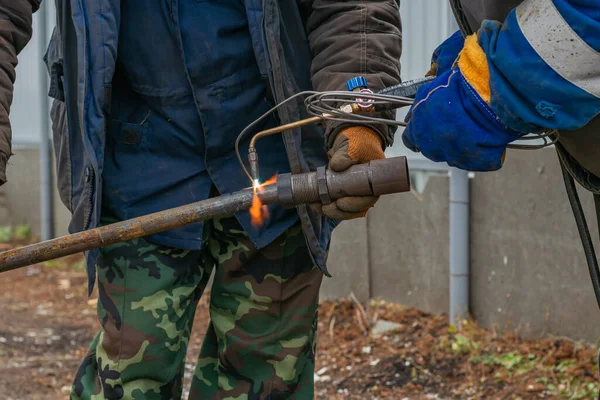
[62, 152]
[83, 200]
[54, 63]
[127, 144]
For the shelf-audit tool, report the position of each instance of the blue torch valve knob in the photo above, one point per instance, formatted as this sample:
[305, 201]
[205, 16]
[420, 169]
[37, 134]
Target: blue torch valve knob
[357, 83]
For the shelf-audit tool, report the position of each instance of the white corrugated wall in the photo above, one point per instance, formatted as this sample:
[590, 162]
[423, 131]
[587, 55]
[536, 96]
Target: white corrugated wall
[26, 112]
[425, 24]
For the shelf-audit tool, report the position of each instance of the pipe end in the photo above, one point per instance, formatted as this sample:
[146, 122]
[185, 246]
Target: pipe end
[389, 176]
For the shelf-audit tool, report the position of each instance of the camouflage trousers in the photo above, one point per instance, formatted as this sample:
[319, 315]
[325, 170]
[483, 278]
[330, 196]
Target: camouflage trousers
[261, 339]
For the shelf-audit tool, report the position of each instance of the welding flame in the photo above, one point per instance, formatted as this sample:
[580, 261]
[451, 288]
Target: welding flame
[259, 212]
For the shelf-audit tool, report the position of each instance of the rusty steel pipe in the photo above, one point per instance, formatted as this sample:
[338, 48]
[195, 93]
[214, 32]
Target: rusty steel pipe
[376, 178]
[130, 229]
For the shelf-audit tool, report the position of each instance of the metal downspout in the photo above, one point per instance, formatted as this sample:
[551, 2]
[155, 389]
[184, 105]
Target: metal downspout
[46, 167]
[459, 245]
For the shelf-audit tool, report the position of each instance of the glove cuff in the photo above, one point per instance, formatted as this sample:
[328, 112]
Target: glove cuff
[473, 65]
[386, 133]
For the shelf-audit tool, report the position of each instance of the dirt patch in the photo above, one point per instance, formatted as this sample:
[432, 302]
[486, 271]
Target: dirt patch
[426, 358]
[47, 322]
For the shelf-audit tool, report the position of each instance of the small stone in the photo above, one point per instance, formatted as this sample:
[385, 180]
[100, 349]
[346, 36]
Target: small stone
[382, 327]
[42, 310]
[322, 370]
[538, 387]
[64, 284]
[32, 271]
[366, 349]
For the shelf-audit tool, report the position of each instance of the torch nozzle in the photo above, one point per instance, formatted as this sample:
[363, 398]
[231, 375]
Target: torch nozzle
[253, 160]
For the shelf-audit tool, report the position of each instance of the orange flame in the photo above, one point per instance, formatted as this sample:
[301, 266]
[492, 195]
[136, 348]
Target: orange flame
[259, 212]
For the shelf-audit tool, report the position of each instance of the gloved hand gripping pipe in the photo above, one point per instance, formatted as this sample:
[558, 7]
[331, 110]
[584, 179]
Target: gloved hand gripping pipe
[323, 186]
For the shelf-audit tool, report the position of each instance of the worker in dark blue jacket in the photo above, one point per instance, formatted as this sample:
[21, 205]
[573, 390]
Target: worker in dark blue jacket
[148, 100]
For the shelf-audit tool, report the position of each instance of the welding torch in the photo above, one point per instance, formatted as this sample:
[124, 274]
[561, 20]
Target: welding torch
[376, 178]
[366, 103]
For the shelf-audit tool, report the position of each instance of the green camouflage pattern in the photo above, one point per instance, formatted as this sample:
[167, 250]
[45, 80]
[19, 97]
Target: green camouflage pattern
[261, 339]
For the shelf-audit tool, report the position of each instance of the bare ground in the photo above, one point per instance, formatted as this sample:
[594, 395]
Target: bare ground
[47, 321]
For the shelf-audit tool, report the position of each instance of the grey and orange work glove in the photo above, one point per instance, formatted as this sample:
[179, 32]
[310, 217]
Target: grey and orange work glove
[354, 145]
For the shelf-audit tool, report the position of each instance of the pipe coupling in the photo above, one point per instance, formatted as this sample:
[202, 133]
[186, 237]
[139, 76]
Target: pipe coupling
[375, 178]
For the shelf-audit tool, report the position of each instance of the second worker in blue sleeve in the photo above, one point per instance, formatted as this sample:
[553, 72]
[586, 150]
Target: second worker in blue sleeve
[537, 70]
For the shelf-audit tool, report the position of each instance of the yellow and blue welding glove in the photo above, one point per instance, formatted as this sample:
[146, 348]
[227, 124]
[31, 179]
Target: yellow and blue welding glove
[446, 54]
[452, 121]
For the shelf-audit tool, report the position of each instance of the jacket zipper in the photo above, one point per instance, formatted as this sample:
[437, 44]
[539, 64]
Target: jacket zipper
[90, 182]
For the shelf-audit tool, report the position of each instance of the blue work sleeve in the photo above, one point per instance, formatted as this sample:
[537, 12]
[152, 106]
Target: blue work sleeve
[544, 64]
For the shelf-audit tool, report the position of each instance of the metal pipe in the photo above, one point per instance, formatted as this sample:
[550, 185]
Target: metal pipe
[46, 167]
[459, 245]
[131, 229]
[376, 178]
